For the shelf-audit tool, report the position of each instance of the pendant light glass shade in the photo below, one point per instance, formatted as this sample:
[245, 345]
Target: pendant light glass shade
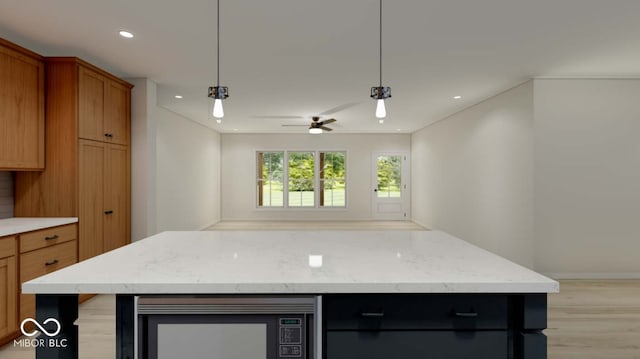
[218, 111]
[381, 111]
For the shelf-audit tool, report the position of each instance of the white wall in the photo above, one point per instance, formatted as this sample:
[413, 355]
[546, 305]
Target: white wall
[188, 160]
[143, 159]
[238, 172]
[175, 168]
[472, 175]
[587, 178]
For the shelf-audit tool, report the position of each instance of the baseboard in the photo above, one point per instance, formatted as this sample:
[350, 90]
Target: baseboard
[597, 276]
[208, 225]
[421, 224]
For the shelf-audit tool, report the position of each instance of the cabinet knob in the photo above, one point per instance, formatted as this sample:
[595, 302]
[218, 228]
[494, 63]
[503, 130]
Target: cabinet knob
[108, 135]
[108, 212]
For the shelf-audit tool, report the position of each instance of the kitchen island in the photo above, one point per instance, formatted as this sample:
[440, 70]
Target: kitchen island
[384, 293]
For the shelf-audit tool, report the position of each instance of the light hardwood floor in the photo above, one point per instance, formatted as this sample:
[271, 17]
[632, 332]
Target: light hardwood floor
[587, 320]
[315, 226]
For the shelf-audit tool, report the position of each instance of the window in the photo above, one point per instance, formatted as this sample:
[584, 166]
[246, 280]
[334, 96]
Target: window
[389, 176]
[310, 179]
[332, 179]
[301, 179]
[270, 179]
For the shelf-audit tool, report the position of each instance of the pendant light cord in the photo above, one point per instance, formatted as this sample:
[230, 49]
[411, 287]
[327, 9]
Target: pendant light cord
[218, 42]
[380, 43]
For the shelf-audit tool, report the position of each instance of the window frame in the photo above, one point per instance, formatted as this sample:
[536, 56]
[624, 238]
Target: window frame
[316, 181]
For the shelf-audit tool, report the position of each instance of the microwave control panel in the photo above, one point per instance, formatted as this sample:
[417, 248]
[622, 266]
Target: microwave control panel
[291, 337]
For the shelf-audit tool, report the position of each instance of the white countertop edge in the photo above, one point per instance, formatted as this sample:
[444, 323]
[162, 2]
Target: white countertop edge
[17, 225]
[289, 288]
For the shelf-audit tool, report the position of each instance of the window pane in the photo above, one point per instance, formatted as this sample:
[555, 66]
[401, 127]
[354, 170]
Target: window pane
[301, 179]
[389, 176]
[270, 179]
[332, 179]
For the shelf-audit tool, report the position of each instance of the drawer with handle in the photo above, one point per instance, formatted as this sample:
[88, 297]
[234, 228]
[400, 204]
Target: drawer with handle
[40, 262]
[415, 311]
[47, 237]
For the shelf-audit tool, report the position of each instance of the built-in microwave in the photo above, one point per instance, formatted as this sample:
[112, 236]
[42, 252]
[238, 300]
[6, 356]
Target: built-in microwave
[227, 327]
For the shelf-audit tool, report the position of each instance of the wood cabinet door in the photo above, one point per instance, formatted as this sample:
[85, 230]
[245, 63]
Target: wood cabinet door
[117, 113]
[8, 287]
[117, 198]
[92, 160]
[21, 111]
[91, 105]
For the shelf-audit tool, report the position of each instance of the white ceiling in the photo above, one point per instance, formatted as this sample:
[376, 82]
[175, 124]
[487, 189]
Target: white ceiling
[301, 57]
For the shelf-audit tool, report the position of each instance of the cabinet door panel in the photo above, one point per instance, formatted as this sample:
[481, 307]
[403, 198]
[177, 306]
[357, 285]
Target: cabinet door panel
[21, 111]
[117, 106]
[117, 198]
[91, 105]
[8, 296]
[92, 158]
[417, 344]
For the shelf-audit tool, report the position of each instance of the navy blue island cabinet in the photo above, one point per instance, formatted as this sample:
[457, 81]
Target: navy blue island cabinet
[371, 326]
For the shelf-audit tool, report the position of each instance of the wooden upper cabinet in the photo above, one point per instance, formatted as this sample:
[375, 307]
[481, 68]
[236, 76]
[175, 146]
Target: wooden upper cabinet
[21, 108]
[104, 108]
[117, 113]
[91, 105]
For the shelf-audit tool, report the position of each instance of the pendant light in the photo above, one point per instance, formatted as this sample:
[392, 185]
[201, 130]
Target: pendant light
[380, 93]
[218, 93]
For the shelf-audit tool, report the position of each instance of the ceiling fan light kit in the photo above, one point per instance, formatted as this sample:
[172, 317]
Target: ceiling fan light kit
[380, 93]
[218, 93]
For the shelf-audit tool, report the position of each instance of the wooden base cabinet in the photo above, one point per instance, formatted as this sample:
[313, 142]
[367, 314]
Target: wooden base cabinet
[8, 288]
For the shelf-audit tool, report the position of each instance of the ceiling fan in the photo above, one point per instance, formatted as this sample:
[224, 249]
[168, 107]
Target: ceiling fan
[317, 126]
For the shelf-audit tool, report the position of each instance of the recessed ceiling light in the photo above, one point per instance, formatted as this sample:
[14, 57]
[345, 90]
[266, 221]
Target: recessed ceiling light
[125, 33]
[457, 97]
[178, 96]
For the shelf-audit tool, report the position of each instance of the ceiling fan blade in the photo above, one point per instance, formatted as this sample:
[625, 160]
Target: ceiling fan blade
[326, 128]
[338, 108]
[326, 122]
[287, 125]
[276, 117]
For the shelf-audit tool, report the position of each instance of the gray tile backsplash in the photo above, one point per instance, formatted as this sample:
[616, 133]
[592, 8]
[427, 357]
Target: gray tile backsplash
[6, 194]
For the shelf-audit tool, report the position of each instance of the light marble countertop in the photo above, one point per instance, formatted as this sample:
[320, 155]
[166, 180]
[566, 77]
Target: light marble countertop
[15, 225]
[231, 262]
